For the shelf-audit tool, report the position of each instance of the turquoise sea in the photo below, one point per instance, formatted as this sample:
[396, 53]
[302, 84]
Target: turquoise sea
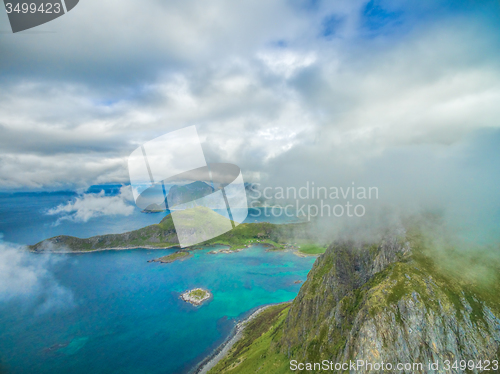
[121, 314]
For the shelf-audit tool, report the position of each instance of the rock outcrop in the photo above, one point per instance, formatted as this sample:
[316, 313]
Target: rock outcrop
[388, 303]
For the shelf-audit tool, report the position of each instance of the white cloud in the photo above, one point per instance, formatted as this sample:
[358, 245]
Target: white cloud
[88, 206]
[221, 67]
[27, 276]
[286, 63]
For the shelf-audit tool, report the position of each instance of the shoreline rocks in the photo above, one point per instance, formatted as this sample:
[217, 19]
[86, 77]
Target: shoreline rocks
[225, 251]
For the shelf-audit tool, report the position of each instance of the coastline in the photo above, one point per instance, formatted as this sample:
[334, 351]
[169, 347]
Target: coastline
[187, 249]
[295, 252]
[106, 249]
[222, 350]
[148, 247]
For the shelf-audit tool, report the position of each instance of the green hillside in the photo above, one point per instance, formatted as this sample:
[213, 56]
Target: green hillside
[391, 301]
[163, 235]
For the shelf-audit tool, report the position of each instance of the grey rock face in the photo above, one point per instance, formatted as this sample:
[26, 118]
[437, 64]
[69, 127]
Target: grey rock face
[381, 304]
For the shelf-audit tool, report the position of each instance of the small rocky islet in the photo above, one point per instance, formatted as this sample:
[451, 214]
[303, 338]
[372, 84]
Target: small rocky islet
[196, 296]
[180, 255]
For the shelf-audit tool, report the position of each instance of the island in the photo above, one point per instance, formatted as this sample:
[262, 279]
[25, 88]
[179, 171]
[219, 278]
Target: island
[196, 296]
[180, 255]
[295, 237]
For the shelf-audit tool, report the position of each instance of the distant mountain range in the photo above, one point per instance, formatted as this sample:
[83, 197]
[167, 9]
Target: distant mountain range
[179, 194]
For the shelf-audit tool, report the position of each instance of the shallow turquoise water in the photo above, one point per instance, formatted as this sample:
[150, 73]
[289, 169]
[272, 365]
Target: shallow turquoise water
[126, 315]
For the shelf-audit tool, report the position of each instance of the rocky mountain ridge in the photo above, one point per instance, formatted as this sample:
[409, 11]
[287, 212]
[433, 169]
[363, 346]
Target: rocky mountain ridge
[386, 302]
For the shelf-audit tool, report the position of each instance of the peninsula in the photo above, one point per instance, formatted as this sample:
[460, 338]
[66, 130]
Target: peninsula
[163, 235]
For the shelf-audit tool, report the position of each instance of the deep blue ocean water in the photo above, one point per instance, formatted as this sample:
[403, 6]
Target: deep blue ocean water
[24, 219]
[126, 315]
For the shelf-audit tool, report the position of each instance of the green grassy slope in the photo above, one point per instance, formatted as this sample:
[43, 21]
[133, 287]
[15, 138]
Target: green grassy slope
[312, 249]
[256, 351]
[160, 235]
[330, 319]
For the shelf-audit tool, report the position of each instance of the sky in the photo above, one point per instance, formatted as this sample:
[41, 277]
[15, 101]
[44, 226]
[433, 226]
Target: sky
[402, 95]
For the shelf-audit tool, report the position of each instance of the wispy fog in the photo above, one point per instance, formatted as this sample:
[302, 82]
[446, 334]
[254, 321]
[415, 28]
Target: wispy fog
[29, 278]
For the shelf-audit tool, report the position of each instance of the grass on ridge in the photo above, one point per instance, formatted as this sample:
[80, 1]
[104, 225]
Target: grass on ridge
[312, 249]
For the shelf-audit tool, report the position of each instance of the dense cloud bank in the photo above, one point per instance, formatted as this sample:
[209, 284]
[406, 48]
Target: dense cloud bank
[400, 96]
